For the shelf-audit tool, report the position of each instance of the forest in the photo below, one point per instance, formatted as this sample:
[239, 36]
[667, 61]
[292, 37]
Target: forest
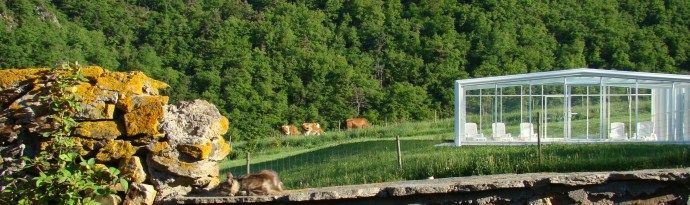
[265, 63]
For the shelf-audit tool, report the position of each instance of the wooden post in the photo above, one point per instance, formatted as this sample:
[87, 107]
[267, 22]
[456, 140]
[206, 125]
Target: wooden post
[397, 138]
[435, 116]
[248, 162]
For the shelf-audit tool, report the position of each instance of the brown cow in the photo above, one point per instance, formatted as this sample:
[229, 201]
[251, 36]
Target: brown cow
[290, 130]
[312, 129]
[358, 122]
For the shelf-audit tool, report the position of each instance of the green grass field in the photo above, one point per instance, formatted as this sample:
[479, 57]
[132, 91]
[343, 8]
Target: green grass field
[369, 156]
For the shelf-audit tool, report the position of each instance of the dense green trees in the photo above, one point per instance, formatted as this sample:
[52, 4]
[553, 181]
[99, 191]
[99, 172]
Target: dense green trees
[265, 63]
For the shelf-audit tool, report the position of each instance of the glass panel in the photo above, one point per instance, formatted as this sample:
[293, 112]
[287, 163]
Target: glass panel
[585, 113]
[554, 118]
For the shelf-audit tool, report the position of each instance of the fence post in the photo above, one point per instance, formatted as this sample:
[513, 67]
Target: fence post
[435, 116]
[397, 139]
[248, 162]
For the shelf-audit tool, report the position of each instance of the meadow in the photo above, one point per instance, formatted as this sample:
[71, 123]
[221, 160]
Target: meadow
[369, 156]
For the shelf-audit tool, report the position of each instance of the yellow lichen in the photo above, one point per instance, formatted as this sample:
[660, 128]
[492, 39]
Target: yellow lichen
[92, 72]
[130, 83]
[223, 150]
[109, 111]
[10, 77]
[115, 149]
[224, 125]
[145, 116]
[198, 151]
[99, 130]
[86, 92]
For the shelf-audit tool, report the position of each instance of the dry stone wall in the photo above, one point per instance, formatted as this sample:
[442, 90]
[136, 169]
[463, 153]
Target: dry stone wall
[659, 186]
[164, 150]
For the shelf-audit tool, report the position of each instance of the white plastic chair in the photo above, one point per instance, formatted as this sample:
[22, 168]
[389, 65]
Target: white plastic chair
[617, 131]
[645, 131]
[527, 132]
[499, 132]
[471, 132]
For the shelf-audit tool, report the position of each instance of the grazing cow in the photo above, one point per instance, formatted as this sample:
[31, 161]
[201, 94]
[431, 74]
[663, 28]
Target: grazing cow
[358, 122]
[312, 129]
[290, 130]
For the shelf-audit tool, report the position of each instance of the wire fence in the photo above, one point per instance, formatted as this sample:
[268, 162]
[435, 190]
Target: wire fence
[414, 150]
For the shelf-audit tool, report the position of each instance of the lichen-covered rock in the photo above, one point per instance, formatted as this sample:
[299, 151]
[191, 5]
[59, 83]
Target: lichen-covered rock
[132, 170]
[198, 151]
[132, 82]
[140, 194]
[188, 121]
[145, 116]
[114, 150]
[194, 131]
[99, 130]
[169, 162]
[13, 77]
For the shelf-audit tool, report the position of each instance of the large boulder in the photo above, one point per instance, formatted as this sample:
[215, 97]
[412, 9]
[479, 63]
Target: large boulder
[194, 130]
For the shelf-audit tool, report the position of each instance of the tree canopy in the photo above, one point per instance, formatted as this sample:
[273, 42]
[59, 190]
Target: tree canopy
[265, 63]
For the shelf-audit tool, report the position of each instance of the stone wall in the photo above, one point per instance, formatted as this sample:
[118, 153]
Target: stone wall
[662, 186]
[164, 150]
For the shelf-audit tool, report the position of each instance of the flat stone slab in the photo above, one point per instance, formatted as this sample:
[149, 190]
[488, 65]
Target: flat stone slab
[486, 184]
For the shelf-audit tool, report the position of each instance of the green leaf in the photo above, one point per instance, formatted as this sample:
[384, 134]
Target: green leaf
[125, 184]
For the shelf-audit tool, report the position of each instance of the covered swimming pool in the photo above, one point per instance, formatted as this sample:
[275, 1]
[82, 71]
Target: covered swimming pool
[577, 105]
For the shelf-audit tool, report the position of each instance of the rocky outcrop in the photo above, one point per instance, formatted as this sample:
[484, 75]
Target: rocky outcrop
[163, 150]
[663, 186]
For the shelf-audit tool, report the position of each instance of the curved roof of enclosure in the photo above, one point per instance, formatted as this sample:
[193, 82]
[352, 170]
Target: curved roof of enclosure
[580, 76]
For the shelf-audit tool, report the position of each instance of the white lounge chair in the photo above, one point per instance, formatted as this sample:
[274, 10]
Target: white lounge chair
[617, 131]
[645, 131]
[499, 132]
[472, 134]
[527, 132]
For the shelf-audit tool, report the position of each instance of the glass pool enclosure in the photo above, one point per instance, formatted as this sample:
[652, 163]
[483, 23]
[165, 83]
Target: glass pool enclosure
[577, 105]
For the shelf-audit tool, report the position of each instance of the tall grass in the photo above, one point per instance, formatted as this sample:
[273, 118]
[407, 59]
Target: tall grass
[375, 161]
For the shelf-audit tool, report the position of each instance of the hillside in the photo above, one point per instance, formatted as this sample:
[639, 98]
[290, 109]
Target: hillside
[267, 63]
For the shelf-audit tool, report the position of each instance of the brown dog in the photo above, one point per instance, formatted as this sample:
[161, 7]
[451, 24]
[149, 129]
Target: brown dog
[230, 187]
[261, 183]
